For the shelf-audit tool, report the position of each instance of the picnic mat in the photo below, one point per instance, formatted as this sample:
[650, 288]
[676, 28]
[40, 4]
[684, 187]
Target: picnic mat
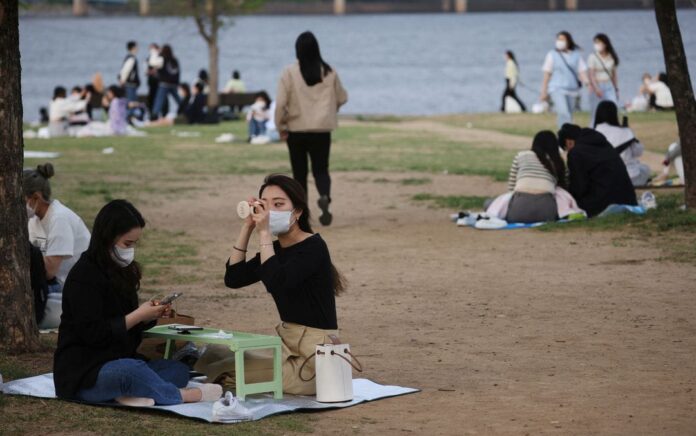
[260, 406]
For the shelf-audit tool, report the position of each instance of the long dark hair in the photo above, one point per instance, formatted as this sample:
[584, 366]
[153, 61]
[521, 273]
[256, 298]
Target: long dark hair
[312, 66]
[571, 45]
[113, 220]
[511, 55]
[168, 55]
[607, 113]
[545, 146]
[298, 197]
[610, 48]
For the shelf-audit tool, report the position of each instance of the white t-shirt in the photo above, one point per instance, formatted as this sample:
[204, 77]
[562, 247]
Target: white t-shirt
[62, 108]
[60, 233]
[618, 136]
[663, 96]
[594, 62]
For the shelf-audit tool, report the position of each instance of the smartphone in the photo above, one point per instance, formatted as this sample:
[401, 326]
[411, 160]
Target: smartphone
[171, 297]
[184, 328]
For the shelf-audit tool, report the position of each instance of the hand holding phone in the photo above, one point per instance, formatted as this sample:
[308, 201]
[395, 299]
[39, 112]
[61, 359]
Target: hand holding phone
[170, 298]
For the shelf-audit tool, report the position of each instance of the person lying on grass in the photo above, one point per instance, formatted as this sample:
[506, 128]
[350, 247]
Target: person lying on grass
[102, 325]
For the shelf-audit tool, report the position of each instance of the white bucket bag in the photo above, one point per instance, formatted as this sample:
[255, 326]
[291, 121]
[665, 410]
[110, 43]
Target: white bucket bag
[334, 375]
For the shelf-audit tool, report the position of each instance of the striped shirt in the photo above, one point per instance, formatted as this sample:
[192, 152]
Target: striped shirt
[528, 174]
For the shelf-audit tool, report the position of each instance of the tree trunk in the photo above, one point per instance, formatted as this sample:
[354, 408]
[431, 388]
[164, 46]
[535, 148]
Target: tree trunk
[18, 331]
[213, 56]
[682, 92]
[213, 97]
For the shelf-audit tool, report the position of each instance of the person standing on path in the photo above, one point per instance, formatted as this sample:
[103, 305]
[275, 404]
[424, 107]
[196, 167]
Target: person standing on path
[564, 74]
[309, 96]
[512, 75]
[602, 64]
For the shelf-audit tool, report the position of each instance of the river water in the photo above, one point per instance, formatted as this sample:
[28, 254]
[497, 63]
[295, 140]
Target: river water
[390, 64]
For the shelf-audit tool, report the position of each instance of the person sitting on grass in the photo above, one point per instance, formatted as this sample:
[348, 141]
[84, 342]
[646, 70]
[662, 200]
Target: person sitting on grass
[192, 108]
[297, 271]
[534, 176]
[624, 142]
[598, 176]
[117, 125]
[258, 115]
[103, 323]
[58, 232]
[61, 109]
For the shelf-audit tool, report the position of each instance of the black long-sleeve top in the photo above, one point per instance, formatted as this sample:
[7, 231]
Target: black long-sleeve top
[598, 175]
[92, 330]
[299, 278]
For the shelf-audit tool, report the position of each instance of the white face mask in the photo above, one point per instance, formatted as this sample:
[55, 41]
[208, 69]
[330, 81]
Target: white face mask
[599, 47]
[279, 221]
[123, 256]
[31, 213]
[561, 44]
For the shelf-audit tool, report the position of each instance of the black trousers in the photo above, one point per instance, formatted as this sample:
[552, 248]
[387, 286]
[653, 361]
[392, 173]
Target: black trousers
[317, 145]
[511, 92]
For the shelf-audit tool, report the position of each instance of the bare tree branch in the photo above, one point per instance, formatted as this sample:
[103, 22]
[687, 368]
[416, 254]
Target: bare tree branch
[199, 22]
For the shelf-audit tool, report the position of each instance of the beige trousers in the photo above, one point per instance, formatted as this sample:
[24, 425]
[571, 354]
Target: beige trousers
[298, 343]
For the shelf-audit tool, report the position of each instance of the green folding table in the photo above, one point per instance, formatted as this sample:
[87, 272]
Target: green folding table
[239, 343]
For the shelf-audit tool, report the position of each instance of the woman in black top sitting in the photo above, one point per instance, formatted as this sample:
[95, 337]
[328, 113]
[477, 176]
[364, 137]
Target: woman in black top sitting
[296, 270]
[102, 324]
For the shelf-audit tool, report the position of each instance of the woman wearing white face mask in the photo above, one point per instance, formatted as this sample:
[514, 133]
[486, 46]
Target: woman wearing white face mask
[564, 74]
[603, 80]
[96, 360]
[298, 273]
[57, 231]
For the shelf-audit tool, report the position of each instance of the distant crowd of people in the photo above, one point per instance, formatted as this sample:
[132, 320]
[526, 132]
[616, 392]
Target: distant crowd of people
[566, 73]
[75, 114]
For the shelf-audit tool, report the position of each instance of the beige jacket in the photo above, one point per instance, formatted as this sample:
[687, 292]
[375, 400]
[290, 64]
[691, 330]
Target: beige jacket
[302, 108]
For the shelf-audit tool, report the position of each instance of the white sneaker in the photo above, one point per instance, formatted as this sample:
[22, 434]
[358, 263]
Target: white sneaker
[229, 409]
[648, 201]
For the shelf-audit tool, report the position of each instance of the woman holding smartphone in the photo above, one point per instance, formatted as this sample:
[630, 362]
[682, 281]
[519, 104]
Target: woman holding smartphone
[102, 324]
[297, 271]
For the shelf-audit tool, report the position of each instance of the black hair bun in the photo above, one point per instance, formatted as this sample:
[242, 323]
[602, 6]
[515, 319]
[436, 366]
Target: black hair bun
[46, 170]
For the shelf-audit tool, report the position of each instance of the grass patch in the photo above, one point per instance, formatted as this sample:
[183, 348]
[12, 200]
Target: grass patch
[55, 416]
[667, 217]
[673, 227]
[416, 181]
[454, 202]
[167, 257]
[656, 130]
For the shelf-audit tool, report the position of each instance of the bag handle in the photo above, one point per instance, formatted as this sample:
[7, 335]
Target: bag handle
[607, 71]
[333, 353]
[302, 367]
[358, 368]
[569, 67]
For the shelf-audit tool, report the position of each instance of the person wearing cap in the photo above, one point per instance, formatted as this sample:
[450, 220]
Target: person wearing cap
[598, 176]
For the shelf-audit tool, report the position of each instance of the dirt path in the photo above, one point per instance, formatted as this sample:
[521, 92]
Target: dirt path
[505, 332]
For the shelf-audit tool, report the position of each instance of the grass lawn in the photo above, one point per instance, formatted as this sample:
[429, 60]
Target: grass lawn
[166, 165]
[656, 130]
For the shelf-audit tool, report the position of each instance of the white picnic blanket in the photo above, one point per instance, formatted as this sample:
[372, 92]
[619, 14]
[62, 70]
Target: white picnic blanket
[260, 406]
